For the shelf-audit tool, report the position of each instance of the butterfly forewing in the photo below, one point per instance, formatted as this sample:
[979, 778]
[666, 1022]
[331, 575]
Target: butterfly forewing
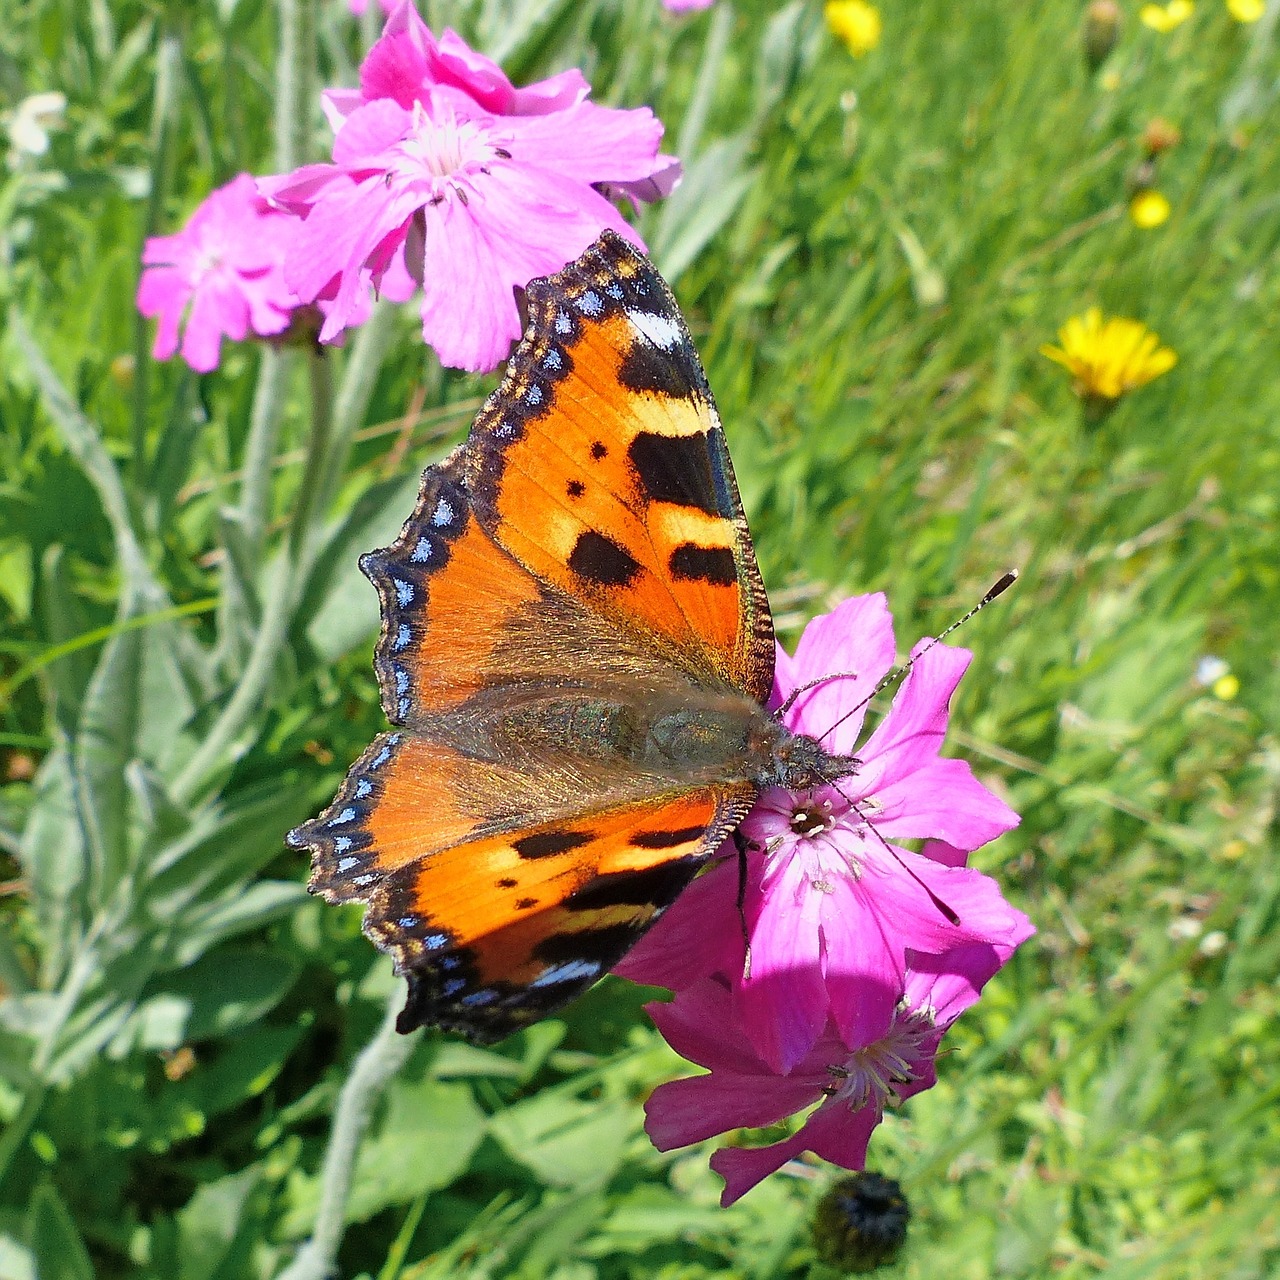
[601, 465]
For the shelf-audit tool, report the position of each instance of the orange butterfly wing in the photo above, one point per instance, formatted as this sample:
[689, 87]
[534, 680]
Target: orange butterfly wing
[601, 465]
[505, 868]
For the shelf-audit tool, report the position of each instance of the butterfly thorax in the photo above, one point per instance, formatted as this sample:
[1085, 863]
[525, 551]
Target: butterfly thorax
[686, 735]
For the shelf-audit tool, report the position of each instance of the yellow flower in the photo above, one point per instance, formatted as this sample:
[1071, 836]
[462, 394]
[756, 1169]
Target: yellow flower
[1164, 17]
[1246, 10]
[1148, 209]
[1226, 687]
[856, 23]
[1108, 358]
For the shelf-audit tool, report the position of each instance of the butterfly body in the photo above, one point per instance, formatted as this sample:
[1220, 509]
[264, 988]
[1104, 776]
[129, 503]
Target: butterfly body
[577, 653]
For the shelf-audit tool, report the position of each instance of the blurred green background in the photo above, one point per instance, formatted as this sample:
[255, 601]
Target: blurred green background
[870, 252]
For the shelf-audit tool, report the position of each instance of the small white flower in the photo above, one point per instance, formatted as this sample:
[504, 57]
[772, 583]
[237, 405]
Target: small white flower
[30, 121]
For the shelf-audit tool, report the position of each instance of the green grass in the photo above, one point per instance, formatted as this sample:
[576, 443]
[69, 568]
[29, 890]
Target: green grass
[180, 1018]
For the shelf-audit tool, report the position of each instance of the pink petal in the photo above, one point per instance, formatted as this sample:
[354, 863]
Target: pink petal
[783, 1006]
[369, 131]
[865, 969]
[699, 934]
[396, 67]
[942, 799]
[338, 104]
[910, 736]
[163, 292]
[743, 1168]
[215, 311]
[699, 1026]
[590, 143]
[833, 1132]
[854, 641]
[682, 1112]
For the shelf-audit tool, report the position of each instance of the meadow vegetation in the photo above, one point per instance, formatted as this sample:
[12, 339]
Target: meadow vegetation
[870, 253]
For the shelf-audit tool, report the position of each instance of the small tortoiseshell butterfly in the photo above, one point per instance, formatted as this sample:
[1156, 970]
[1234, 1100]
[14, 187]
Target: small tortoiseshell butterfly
[577, 649]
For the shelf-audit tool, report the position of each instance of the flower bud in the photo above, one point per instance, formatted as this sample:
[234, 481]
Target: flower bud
[1101, 31]
[861, 1223]
[1159, 136]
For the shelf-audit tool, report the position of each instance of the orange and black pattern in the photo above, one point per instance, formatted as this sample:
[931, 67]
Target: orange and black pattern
[580, 560]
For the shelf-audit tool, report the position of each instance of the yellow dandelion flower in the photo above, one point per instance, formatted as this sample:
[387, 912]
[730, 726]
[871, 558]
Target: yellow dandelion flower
[1164, 17]
[1108, 358]
[1149, 209]
[856, 23]
[1246, 10]
[1226, 687]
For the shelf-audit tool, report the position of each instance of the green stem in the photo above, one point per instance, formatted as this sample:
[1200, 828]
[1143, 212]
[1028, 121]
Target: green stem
[286, 578]
[164, 106]
[371, 1072]
[358, 380]
[289, 78]
[260, 447]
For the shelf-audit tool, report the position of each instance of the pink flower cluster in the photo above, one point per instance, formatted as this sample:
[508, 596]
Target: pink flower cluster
[862, 953]
[445, 178]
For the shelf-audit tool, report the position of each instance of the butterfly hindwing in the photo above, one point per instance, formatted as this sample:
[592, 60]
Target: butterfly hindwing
[561, 905]
[600, 464]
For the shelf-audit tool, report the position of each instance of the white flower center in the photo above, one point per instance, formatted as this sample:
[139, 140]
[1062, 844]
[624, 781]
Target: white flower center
[447, 154]
[873, 1074]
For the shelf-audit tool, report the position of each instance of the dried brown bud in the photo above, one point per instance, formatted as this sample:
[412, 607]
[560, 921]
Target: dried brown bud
[1101, 31]
[1160, 135]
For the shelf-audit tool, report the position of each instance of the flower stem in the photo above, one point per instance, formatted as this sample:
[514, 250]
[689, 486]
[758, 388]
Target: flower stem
[289, 80]
[287, 577]
[371, 1072]
[355, 392]
[260, 447]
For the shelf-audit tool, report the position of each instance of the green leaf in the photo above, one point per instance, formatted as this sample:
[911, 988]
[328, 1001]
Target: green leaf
[53, 1239]
[55, 861]
[236, 912]
[566, 1142]
[713, 187]
[230, 988]
[210, 1232]
[424, 1141]
[339, 603]
[65, 619]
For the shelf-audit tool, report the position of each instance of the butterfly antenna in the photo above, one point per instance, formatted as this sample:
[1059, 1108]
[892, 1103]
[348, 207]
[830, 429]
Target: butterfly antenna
[812, 684]
[949, 914]
[896, 673]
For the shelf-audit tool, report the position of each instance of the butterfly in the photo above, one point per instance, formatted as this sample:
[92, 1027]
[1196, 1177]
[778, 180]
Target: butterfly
[576, 652]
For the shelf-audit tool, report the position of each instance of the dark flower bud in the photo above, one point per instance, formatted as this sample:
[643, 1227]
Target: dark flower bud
[1101, 31]
[861, 1223]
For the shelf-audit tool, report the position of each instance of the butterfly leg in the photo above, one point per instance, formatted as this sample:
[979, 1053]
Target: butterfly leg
[743, 846]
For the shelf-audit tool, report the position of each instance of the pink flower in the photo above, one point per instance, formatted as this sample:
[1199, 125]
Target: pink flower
[221, 273]
[686, 6]
[444, 170]
[359, 6]
[832, 905]
[852, 1081]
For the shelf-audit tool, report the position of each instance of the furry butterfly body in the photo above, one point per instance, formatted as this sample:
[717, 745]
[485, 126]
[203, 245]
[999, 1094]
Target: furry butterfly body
[577, 651]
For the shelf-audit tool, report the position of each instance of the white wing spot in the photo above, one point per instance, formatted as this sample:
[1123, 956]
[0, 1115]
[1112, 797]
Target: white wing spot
[662, 331]
[442, 517]
[589, 304]
[569, 971]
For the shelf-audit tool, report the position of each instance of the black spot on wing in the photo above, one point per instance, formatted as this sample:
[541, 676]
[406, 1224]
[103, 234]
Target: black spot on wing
[599, 560]
[526, 904]
[507, 883]
[715, 565]
[665, 839]
[677, 469]
[575, 488]
[606, 945]
[654, 886]
[546, 844]
[655, 370]
[599, 450]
